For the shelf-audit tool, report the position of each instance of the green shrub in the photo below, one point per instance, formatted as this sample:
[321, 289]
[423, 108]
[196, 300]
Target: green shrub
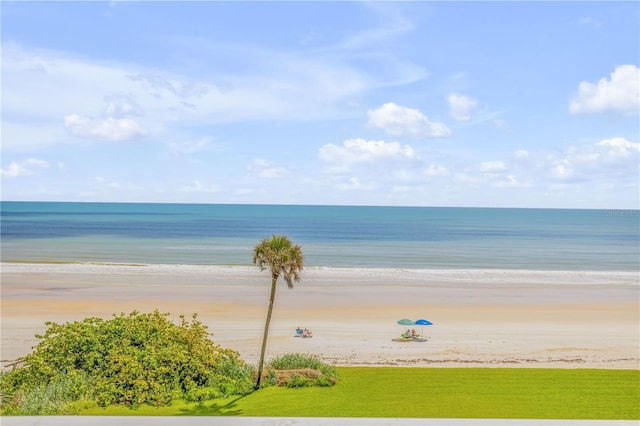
[297, 370]
[6, 397]
[298, 381]
[295, 361]
[239, 377]
[272, 377]
[51, 398]
[324, 381]
[131, 359]
[202, 394]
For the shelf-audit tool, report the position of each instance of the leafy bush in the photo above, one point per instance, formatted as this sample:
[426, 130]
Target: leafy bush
[131, 359]
[298, 381]
[297, 370]
[299, 361]
[51, 398]
[64, 394]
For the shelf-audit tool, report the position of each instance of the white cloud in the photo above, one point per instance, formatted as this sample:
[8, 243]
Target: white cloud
[23, 168]
[588, 168]
[493, 166]
[273, 173]
[401, 121]
[461, 107]
[121, 105]
[521, 154]
[160, 86]
[497, 174]
[267, 170]
[105, 183]
[619, 147]
[47, 85]
[392, 25]
[110, 129]
[614, 152]
[198, 187]
[562, 169]
[351, 183]
[511, 181]
[619, 94]
[260, 162]
[360, 151]
[189, 147]
[274, 85]
[436, 170]
[600, 161]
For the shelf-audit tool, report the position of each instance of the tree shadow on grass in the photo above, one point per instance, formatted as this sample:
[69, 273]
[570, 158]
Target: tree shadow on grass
[214, 408]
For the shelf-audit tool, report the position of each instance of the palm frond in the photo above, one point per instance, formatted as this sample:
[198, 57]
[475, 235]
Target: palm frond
[280, 256]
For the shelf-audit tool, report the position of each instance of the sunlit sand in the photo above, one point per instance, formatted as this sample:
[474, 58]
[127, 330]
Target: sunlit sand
[490, 318]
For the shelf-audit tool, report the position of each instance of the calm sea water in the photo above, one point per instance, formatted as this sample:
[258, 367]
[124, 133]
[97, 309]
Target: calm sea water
[332, 236]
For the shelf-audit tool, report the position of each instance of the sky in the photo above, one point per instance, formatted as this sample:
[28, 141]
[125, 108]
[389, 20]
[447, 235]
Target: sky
[471, 104]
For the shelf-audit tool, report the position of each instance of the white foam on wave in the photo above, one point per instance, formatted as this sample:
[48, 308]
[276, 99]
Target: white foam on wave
[491, 276]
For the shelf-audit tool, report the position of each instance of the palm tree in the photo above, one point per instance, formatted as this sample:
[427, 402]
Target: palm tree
[283, 259]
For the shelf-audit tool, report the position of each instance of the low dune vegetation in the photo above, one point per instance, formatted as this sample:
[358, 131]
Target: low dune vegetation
[139, 359]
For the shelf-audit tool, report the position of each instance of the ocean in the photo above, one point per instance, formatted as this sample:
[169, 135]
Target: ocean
[330, 236]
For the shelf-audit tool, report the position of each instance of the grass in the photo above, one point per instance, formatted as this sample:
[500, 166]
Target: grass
[435, 393]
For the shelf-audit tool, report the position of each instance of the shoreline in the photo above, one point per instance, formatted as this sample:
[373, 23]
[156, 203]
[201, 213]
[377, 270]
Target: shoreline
[482, 318]
[471, 274]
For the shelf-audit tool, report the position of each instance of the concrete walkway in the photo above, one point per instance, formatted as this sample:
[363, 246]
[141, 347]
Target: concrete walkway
[290, 421]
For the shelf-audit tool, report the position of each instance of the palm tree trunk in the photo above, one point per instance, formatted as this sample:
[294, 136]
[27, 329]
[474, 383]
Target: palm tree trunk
[274, 279]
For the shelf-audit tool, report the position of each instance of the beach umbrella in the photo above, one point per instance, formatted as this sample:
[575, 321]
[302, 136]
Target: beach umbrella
[406, 322]
[423, 322]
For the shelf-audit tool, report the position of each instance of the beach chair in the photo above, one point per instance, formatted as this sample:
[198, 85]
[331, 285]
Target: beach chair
[303, 332]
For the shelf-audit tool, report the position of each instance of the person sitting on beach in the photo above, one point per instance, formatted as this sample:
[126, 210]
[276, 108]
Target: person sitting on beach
[413, 333]
[306, 333]
[298, 330]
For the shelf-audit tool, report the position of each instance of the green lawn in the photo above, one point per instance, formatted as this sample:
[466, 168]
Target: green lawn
[433, 392]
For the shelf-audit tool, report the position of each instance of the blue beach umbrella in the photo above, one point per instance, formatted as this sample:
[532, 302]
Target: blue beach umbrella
[423, 322]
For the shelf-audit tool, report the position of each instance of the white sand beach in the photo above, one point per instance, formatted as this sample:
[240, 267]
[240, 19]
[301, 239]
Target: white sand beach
[482, 318]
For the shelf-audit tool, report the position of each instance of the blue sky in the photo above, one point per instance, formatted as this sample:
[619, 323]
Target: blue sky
[505, 104]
